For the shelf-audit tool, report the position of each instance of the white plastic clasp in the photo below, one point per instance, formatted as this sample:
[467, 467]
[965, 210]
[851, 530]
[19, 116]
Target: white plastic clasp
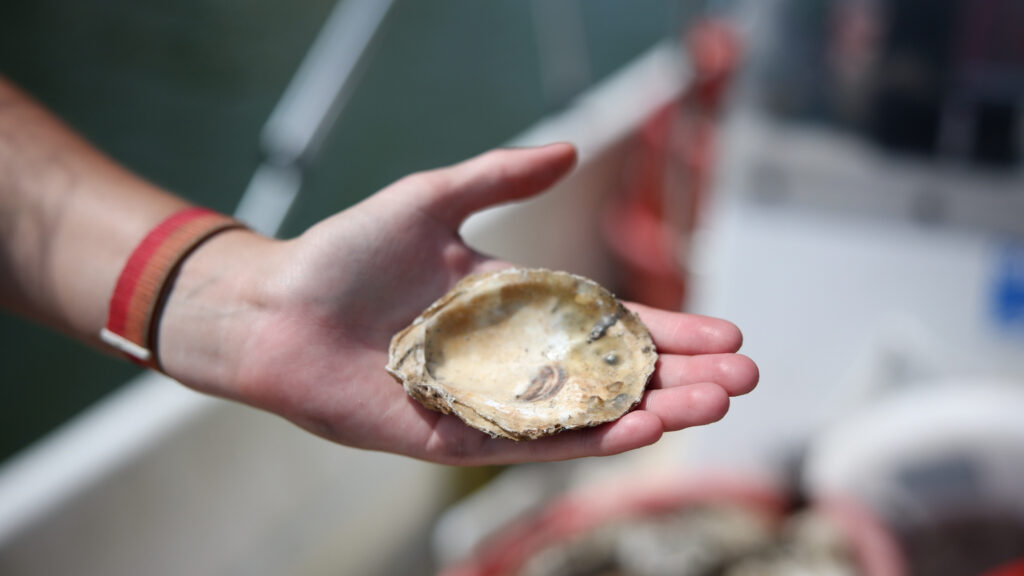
[125, 345]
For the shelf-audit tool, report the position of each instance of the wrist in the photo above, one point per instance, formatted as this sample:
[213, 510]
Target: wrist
[213, 303]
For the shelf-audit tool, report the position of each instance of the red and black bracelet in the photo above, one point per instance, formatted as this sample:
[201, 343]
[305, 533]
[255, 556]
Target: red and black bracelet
[138, 297]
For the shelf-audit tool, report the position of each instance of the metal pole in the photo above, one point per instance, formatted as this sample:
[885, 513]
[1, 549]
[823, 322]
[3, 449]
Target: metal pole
[308, 108]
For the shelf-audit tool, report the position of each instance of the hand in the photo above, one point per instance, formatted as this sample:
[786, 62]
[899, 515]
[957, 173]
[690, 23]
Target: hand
[311, 342]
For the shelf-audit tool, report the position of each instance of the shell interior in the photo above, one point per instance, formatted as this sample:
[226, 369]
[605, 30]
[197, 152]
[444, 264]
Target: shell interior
[526, 353]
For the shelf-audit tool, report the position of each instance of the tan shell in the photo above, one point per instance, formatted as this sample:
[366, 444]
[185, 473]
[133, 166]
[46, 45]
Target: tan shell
[525, 353]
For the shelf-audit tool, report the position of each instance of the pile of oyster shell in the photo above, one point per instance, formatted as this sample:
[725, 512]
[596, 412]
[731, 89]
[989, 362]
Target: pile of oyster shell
[525, 353]
[706, 540]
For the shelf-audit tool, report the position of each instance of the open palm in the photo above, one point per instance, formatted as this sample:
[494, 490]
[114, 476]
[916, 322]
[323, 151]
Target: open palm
[338, 293]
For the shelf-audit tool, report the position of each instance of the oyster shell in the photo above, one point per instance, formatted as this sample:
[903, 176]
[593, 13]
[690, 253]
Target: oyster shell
[525, 353]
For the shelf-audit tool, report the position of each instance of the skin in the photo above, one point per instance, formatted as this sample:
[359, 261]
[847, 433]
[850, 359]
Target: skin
[301, 327]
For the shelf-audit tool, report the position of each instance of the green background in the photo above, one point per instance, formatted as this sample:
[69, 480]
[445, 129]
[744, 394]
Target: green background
[178, 92]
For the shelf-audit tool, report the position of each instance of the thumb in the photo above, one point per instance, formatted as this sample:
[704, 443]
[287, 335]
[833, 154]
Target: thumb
[451, 194]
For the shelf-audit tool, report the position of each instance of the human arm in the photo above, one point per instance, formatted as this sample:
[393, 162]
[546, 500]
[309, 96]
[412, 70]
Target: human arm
[69, 217]
[301, 327]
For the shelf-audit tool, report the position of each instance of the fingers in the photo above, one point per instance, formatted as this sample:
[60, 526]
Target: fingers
[660, 411]
[687, 392]
[686, 406]
[664, 410]
[452, 442]
[634, 430]
[452, 194]
[684, 392]
[735, 373]
[676, 333]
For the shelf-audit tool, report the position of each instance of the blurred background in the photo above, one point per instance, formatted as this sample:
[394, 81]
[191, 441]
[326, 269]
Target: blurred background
[179, 93]
[841, 178]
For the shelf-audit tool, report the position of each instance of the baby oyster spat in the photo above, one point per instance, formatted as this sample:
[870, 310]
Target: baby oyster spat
[525, 353]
